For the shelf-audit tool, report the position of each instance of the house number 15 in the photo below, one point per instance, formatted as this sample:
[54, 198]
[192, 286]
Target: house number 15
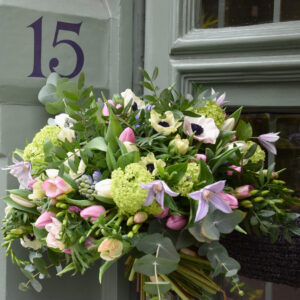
[54, 62]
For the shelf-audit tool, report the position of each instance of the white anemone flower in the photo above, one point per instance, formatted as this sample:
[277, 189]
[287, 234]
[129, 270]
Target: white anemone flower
[64, 120]
[164, 126]
[204, 129]
[30, 241]
[137, 103]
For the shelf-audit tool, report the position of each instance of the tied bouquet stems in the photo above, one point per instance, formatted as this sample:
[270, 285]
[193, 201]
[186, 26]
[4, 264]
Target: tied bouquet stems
[158, 179]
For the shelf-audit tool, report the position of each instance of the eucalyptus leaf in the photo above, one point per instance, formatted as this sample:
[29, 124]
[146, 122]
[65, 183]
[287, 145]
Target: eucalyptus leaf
[153, 287]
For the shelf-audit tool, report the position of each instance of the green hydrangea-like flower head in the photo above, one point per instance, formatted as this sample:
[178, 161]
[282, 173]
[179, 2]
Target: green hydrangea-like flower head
[126, 190]
[153, 209]
[259, 154]
[151, 163]
[34, 152]
[185, 185]
[214, 111]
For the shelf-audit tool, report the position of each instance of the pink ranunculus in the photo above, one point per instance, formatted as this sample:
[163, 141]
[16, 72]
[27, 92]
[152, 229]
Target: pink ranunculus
[44, 219]
[230, 199]
[54, 187]
[74, 208]
[89, 242]
[127, 135]
[235, 168]
[110, 249]
[92, 212]
[243, 191]
[163, 214]
[176, 222]
[54, 235]
[201, 156]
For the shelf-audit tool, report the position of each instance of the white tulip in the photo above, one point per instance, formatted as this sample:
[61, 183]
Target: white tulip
[228, 124]
[66, 134]
[103, 188]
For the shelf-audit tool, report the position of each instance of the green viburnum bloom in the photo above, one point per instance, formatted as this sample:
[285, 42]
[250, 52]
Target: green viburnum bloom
[34, 152]
[186, 183]
[151, 163]
[214, 111]
[259, 154]
[153, 209]
[126, 188]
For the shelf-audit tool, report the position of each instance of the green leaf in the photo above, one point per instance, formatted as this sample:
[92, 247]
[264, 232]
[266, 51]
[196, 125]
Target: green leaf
[128, 158]
[145, 265]
[179, 170]
[40, 234]
[36, 285]
[147, 85]
[205, 173]
[68, 268]
[97, 143]
[266, 213]
[251, 151]
[48, 147]
[110, 158]
[20, 192]
[47, 94]
[104, 199]
[40, 264]
[244, 131]
[23, 287]
[221, 159]
[56, 107]
[295, 230]
[154, 287]
[104, 267]
[145, 74]
[54, 257]
[81, 80]
[80, 203]
[70, 95]
[113, 131]
[27, 274]
[208, 228]
[236, 115]
[150, 244]
[226, 223]
[155, 73]
[195, 231]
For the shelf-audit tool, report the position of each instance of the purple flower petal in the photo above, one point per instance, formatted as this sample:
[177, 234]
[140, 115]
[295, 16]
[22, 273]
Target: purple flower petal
[168, 190]
[269, 137]
[216, 187]
[150, 198]
[196, 195]
[160, 197]
[202, 210]
[220, 204]
[270, 147]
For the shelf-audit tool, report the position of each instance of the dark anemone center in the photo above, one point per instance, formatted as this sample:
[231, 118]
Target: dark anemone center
[164, 124]
[150, 167]
[30, 237]
[197, 128]
[134, 106]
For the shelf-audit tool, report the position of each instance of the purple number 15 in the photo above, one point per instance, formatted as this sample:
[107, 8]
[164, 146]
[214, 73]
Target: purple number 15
[54, 62]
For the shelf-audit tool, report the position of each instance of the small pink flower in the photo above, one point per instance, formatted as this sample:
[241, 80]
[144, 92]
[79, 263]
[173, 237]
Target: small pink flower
[176, 222]
[74, 208]
[163, 214]
[105, 110]
[92, 212]
[127, 135]
[31, 183]
[67, 251]
[235, 168]
[230, 199]
[54, 235]
[243, 191]
[44, 219]
[201, 156]
[55, 187]
[110, 249]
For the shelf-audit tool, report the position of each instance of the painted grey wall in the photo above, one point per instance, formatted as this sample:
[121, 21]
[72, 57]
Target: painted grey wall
[106, 40]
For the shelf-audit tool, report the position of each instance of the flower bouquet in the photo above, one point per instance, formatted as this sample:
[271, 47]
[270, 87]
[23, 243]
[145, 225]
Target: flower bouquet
[158, 179]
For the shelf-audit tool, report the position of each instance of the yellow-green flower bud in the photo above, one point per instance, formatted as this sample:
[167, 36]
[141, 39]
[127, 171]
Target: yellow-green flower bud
[258, 199]
[136, 228]
[130, 234]
[264, 193]
[254, 192]
[130, 221]
[246, 203]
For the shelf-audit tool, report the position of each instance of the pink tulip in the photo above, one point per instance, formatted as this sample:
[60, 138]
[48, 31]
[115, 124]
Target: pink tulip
[105, 110]
[163, 214]
[92, 212]
[176, 222]
[74, 208]
[55, 187]
[127, 135]
[44, 219]
[243, 191]
[201, 156]
[110, 249]
[233, 167]
[230, 199]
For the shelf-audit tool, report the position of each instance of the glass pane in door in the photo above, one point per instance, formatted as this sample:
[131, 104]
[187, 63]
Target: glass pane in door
[290, 10]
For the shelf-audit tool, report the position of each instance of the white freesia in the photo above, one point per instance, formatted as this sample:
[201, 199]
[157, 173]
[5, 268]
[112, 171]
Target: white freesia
[228, 124]
[64, 120]
[103, 188]
[128, 94]
[130, 146]
[21, 201]
[240, 144]
[52, 173]
[66, 134]
[33, 244]
[7, 209]
[204, 129]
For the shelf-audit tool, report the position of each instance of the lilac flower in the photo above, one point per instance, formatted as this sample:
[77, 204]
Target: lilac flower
[157, 189]
[267, 139]
[21, 170]
[220, 100]
[209, 194]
